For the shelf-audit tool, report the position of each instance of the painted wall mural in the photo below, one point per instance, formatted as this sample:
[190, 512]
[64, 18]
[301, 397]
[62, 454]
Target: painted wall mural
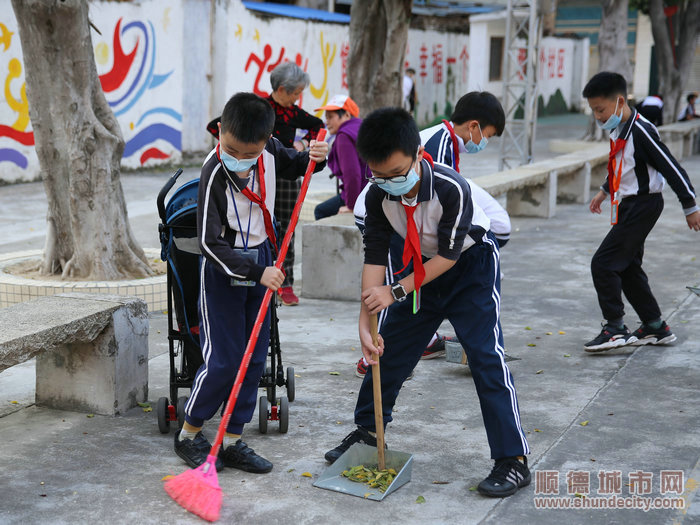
[16, 137]
[138, 58]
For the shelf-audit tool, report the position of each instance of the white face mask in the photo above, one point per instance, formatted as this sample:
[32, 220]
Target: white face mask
[234, 164]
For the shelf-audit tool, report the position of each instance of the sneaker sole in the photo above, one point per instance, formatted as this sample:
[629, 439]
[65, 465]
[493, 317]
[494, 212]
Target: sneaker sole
[611, 344]
[192, 464]
[439, 353]
[651, 340]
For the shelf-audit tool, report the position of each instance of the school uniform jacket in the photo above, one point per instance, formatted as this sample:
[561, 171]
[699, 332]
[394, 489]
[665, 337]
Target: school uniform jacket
[646, 162]
[438, 143]
[447, 221]
[220, 197]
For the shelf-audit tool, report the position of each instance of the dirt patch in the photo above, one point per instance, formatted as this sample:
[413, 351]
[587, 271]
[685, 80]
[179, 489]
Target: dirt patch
[29, 269]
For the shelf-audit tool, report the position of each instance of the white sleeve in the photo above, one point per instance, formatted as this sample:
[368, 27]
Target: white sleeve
[500, 222]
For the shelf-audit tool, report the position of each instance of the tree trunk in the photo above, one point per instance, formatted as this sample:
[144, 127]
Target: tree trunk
[674, 71]
[79, 145]
[378, 35]
[612, 49]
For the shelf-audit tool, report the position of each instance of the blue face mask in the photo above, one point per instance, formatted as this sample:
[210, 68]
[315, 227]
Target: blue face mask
[613, 121]
[476, 148]
[233, 164]
[400, 188]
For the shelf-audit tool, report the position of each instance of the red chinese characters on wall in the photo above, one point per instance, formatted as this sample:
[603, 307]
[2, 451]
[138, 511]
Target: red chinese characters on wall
[423, 61]
[344, 52]
[265, 65]
[437, 63]
[552, 63]
[464, 60]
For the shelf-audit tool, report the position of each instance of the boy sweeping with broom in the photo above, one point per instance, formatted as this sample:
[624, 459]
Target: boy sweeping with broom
[238, 245]
[454, 274]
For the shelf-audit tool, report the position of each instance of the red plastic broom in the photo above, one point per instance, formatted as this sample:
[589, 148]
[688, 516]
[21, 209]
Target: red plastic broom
[197, 490]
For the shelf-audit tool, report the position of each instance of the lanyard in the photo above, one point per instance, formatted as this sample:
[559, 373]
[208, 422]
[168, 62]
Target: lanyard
[614, 177]
[455, 145]
[257, 199]
[238, 218]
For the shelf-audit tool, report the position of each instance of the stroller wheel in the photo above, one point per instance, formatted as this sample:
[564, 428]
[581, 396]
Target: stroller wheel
[290, 384]
[284, 415]
[181, 409]
[162, 413]
[262, 415]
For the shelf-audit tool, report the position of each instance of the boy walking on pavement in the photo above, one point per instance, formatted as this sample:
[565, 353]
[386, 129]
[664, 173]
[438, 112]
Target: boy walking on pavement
[639, 162]
[237, 241]
[454, 275]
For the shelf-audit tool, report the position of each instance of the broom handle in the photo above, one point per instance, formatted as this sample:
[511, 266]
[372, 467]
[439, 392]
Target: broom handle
[250, 347]
[377, 390]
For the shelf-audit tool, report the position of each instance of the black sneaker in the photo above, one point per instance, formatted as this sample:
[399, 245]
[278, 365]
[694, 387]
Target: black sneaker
[508, 475]
[646, 335]
[359, 435]
[610, 337]
[195, 451]
[241, 456]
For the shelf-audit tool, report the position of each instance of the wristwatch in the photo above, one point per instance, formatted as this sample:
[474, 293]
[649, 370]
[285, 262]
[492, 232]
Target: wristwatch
[398, 292]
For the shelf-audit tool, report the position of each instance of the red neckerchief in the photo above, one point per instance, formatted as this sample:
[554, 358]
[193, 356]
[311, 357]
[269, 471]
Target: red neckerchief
[616, 146]
[455, 145]
[258, 199]
[411, 245]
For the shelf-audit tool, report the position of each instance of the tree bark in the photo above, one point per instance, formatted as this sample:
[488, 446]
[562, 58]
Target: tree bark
[673, 73]
[378, 35]
[79, 145]
[612, 49]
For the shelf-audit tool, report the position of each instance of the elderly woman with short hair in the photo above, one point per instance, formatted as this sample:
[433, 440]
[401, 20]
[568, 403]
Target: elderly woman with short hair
[288, 81]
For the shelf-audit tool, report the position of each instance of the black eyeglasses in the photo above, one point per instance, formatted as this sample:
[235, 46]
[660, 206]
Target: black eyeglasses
[395, 178]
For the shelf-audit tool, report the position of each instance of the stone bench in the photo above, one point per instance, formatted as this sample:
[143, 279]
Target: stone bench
[534, 189]
[332, 258]
[91, 350]
[682, 138]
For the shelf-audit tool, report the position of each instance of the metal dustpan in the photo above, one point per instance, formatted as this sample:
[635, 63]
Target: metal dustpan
[361, 454]
[694, 289]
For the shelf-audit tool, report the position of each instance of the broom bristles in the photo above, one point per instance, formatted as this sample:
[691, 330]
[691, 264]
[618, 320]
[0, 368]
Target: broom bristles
[198, 490]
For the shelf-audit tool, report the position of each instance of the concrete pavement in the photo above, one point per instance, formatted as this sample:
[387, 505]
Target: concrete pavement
[640, 403]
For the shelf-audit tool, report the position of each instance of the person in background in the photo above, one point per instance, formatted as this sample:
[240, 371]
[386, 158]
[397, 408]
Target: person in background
[288, 81]
[409, 90]
[688, 112]
[342, 121]
[651, 108]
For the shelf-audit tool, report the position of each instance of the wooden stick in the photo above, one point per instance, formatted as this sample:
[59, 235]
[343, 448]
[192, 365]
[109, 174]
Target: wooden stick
[377, 389]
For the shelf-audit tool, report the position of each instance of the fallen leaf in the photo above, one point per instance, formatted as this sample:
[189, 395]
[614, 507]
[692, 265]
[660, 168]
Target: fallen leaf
[144, 405]
[90, 415]
[338, 422]
[592, 459]
[297, 375]
[331, 318]
[537, 430]
[334, 373]
[15, 402]
[353, 348]
[367, 495]
[307, 475]
[567, 355]
[528, 328]
[41, 483]
[531, 344]
[441, 482]
[432, 408]
[166, 478]
[611, 413]
[548, 333]
[291, 470]
[578, 495]
[583, 423]
[539, 371]
[420, 499]
[158, 331]
[472, 489]
[562, 332]
[148, 409]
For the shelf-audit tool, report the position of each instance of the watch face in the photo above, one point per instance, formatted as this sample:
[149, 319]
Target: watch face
[398, 291]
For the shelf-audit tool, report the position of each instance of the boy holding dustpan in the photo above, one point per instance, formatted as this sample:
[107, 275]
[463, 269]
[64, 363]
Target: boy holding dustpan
[455, 274]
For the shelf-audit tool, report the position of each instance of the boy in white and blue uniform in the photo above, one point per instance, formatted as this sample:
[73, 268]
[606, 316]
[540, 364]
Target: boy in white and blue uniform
[453, 263]
[638, 164]
[477, 117]
[238, 245]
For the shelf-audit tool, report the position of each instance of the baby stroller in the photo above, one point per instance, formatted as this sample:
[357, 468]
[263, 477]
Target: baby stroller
[180, 249]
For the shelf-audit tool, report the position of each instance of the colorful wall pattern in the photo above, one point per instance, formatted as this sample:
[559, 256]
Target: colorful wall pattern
[138, 59]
